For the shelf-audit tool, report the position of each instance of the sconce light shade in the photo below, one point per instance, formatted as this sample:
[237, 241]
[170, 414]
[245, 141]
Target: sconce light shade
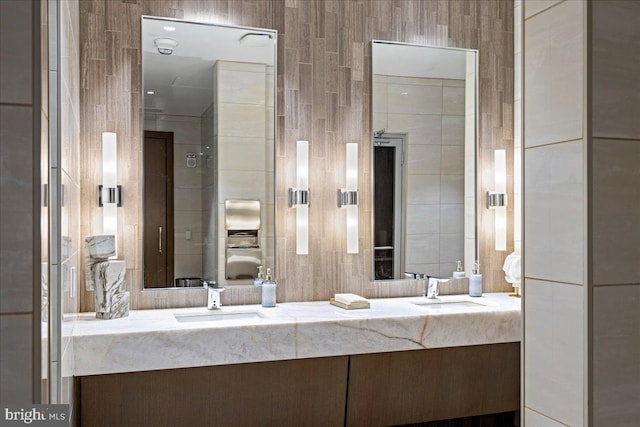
[348, 197]
[498, 199]
[299, 197]
[109, 193]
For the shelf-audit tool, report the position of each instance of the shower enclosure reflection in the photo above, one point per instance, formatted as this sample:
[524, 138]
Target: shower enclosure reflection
[424, 145]
[388, 151]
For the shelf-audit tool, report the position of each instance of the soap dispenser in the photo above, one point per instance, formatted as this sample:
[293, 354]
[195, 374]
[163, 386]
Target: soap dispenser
[459, 273]
[257, 282]
[269, 290]
[475, 281]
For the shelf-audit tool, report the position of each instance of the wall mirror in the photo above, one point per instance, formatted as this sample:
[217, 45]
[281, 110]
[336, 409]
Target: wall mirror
[209, 132]
[424, 105]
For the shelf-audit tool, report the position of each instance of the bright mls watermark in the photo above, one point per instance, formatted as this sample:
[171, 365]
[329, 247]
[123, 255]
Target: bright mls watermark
[37, 415]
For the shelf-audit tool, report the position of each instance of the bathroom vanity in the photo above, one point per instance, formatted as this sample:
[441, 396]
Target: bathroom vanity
[404, 360]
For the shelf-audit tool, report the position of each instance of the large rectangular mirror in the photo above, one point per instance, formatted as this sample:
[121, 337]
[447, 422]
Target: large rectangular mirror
[209, 132]
[424, 159]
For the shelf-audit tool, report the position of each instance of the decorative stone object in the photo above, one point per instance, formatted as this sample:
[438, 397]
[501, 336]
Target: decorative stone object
[97, 249]
[106, 277]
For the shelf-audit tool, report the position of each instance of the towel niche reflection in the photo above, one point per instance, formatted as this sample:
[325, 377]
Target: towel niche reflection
[424, 103]
[209, 133]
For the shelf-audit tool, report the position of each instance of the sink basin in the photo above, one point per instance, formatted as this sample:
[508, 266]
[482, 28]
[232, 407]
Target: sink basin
[217, 316]
[439, 305]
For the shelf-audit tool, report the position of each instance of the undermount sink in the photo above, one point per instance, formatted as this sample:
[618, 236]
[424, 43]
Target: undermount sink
[439, 305]
[218, 316]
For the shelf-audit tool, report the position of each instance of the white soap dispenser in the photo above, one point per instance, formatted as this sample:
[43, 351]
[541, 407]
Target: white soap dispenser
[269, 291]
[459, 273]
[475, 281]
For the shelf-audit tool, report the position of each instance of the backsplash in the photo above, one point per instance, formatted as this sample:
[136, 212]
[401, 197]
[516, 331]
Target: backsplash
[324, 90]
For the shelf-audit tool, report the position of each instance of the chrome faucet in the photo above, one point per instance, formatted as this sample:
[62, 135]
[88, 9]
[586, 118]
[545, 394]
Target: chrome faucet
[430, 289]
[432, 286]
[213, 294]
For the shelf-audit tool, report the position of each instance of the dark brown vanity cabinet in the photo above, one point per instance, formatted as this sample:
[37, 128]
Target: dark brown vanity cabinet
[303, 392]
[407, 387]
[381, 389]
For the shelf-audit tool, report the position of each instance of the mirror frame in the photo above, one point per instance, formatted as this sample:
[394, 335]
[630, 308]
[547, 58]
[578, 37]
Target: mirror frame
[141, 131]
[476, 148]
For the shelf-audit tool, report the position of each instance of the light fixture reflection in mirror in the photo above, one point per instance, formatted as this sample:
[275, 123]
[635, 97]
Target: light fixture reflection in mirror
[209, 133]
[424, 110]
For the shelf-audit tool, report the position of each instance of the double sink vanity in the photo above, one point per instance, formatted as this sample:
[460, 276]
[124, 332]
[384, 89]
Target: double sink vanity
[403, 360]
[374, 366]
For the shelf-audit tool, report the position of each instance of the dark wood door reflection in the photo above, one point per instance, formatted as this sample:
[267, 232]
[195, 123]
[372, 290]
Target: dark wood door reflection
[158, 209]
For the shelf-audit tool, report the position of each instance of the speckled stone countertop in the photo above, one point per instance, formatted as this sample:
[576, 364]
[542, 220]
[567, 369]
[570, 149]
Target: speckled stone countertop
[155, 339]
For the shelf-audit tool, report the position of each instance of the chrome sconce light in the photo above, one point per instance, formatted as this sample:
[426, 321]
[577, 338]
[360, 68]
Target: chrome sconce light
[497, 199]
[348, 197]
[109, 192]
[299, 198]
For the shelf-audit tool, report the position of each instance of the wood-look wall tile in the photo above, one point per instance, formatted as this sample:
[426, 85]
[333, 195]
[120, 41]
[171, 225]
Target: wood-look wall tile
[323, 95]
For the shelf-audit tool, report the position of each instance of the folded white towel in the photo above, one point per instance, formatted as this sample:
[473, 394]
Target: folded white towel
[350, 298]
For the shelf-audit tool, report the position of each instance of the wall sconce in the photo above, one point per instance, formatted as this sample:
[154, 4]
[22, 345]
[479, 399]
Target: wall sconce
[299, 198]
[348, 197]
[109, 192]
[497, 199]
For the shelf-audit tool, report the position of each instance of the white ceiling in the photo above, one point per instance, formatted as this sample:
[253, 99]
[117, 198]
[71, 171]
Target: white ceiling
[418, 61]
[183, 81]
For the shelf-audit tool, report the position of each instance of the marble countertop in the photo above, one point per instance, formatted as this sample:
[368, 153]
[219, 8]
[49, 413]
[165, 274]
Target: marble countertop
[154, 339]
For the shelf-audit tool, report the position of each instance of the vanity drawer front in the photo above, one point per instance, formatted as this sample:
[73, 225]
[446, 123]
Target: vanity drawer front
[437, 384]
[304, 392]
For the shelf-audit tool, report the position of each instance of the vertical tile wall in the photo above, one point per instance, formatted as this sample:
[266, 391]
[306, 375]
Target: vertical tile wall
[324, 86]
[615, 211]
[243, 116]
[555, 228]
[581, 210]
[20, 201]
[517, 127]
